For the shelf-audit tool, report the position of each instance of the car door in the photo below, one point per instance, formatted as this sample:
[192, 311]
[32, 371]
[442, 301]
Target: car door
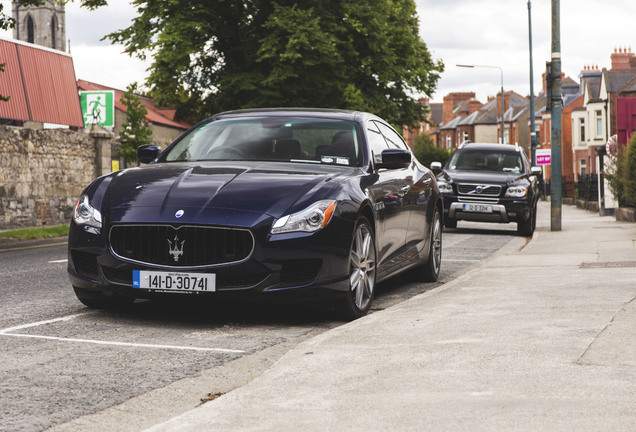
[388, 193]
[416, 188]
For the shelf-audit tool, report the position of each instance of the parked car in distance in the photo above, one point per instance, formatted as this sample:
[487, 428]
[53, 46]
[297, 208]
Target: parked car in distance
[489, 183]
[320, 204]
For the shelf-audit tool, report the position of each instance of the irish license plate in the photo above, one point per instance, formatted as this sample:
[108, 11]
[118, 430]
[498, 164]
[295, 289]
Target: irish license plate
[478, 208]
[168, 281]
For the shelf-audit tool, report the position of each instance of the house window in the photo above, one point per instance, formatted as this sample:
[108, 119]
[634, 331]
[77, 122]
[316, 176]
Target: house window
[465, 137]
[598, 116]
[506, 139]
[582, 167]
[448, 142]
[581, 130]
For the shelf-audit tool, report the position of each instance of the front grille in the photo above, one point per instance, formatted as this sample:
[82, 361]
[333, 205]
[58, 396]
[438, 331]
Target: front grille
[478, 189]
[85, 263]
[184, 246]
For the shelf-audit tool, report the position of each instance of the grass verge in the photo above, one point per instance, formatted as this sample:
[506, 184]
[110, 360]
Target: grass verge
[34, 233]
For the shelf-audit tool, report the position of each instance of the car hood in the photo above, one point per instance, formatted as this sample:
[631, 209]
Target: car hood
[218, 193]
[480, 177]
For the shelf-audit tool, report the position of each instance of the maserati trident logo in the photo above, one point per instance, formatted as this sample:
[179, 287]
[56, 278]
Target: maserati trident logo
[176, 248]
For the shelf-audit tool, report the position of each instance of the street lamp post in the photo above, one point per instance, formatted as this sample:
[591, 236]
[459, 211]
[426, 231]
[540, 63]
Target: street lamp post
[502, 92]
[533, 132]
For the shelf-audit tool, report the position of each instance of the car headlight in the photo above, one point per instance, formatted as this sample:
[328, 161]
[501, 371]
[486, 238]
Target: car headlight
[517, 191]
[311, 219]
[85, 214]
[445, 188]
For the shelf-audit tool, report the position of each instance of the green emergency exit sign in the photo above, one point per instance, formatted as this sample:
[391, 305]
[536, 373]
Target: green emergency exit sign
[98, 107]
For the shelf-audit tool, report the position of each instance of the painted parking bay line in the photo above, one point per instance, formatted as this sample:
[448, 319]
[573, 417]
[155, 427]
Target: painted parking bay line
[10, 332]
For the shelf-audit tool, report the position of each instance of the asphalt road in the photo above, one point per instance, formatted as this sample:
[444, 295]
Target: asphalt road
[64, 365]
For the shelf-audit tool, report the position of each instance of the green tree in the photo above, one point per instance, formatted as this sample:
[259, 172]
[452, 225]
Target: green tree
[134, 131]
[427, 152]
[214, 55]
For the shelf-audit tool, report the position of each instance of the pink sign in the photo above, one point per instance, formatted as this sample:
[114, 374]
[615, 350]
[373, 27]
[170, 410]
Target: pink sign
[544, 156]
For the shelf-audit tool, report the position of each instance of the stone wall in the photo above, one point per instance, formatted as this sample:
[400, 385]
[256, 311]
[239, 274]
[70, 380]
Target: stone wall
[42, 173]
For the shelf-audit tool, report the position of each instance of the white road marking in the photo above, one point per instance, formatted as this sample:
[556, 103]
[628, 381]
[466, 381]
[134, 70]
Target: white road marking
[58, 261]
[126, 344]
[41, 323]
[461, 260]
[9, 332]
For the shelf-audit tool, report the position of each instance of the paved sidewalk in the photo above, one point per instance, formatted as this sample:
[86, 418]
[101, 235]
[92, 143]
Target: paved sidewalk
[539, 337]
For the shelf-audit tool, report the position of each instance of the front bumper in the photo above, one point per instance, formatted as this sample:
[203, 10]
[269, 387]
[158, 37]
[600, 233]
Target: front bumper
[309, 266]
[502, 211]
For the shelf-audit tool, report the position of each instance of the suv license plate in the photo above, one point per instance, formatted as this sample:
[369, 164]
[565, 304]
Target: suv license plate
[477, 208]
[168, 281]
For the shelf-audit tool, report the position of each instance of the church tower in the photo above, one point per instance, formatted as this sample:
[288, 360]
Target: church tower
[42, 25]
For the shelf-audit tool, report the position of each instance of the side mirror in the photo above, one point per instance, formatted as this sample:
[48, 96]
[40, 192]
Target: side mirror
[536, 171]
[147, 153]
[394, 159]
[436, 166]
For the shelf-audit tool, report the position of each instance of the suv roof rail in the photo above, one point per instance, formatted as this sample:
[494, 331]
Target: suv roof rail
[466, 142]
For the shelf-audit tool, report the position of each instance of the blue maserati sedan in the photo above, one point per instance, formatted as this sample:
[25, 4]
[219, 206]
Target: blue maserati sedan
[313, 203]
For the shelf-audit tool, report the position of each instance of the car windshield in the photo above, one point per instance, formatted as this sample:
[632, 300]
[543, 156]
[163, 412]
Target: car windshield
[484, 160]
[287, 139]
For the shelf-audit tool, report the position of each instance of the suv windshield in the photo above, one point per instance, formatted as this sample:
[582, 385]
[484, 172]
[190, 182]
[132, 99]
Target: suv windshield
[480, 160]
[288, 139]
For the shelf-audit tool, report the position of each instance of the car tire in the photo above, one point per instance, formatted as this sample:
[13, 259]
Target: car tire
[429, 270]
[526, 228]
[97, 300]
[450, 223]
[362, 271]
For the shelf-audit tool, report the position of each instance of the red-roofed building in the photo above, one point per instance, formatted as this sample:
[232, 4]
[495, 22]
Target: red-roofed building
[161, 120]
[41, 86]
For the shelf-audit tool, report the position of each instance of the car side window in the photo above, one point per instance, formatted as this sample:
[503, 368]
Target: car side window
[376, 142]
[392, 137]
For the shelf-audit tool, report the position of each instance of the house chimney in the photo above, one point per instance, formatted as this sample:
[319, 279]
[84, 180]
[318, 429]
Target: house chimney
[623, 58]
[473, 106]
[451, 101]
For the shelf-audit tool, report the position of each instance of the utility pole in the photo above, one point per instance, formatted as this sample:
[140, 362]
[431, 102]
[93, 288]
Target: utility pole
[556, 191]
[533, 128]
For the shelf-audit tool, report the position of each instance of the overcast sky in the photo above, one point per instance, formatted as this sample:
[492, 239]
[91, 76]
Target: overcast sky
[480, 32]
[495, 32]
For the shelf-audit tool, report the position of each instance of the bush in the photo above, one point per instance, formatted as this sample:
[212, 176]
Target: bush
[628, 172]
[426, 152]
[622, 176]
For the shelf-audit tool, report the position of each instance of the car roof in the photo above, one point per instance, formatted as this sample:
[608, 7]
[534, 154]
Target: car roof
[330, 113]
[489, 147]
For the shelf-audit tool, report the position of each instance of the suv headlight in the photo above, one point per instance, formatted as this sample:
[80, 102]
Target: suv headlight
[445, 188]
[311, 219]
[85, 214]
[517, 191]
